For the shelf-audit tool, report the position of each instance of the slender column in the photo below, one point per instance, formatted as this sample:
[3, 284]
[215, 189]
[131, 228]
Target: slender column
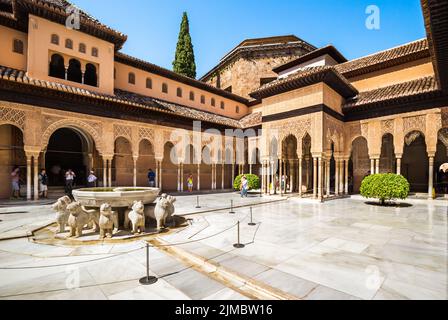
[199, 177]
[160, 175]
[377, 165]
[341, 176]
[29, 160]
[36, 177]
[300, 176]
[110, 172]
[104, 172]
[66, 72]
[314, 177]
[157, 173]
[327, 176]
[222, 175]
[285, 173]
[281, 177]
[346, 175]
[250, 168]
[274, 187]
[178, 178]
[292, 178]
[372, 166]
[308, 171]
[233, 173]
[431, 177]
[336, 177]
[135, 171]
[262, 176]
[319, 184]
[181, 177]
[398, 164]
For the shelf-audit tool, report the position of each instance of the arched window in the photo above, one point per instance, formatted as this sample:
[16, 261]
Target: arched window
[69, 43]
[148, 83]
[191, 95]
[57, 68]
[202, 99]
[74, 71]
[82, 48]
[164, 88]
[95, 52]
[131, 78]
[213, 102]
[17, 46]
[90, 77]
[222, 105]
[237, 109]
[179, 92]
[55, 39]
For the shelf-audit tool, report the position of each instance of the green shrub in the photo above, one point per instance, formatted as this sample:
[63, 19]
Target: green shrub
[385, 187]
[254, 181]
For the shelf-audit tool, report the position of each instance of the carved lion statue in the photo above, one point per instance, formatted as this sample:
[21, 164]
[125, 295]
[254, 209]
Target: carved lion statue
[62, 214]
[137, 217]
[164, 210]
[77, 220]
[106, 221]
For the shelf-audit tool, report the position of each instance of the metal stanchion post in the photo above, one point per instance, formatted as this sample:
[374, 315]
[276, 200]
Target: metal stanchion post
[197, 203]
[251, 223]
[231, 207]
[147, 280]
[238, 245]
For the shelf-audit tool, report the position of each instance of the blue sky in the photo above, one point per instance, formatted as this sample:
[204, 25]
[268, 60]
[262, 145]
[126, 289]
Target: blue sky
[217, 26]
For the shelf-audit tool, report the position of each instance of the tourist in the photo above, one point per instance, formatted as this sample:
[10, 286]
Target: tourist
[69, 179]
[15, 183]
[151, 178]
[92, 179]
[43, 183]
[190, 183]
[244, 187]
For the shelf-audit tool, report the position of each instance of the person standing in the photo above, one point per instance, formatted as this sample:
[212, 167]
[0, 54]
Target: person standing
[190, 183]
[151, 178]
[69, 179]
[92, 179]
[43, 183]
[244, 187]
[15, 183]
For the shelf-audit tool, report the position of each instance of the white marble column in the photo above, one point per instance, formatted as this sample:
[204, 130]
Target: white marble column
[336, 177]
[372, 166]
[314, 177]
[377, 165]
[341, 176]
[398, 164]
[104, 173]
[199, 177]
[29, 160]
[320, 179]
[300, 176]
[346, 175]
[308, 171]
[250, 168]
[222, 176]
[135, 171]
[36, 176]
[327, 176]
[431, 176]
[280, 176]
[181, 177]
[110, 172]
[178, 178]
[292, 178]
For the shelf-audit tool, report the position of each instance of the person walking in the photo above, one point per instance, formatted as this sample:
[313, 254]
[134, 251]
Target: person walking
[190, 183]
[43, 183]
[69, 179]
[151, 178]
[244, 187]
[15, 183]
[92, 179]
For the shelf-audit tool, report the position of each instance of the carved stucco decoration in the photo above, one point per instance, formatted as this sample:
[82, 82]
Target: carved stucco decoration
[445, 117]
[146, 133]
[122, 131]
[13, 116]
[297, 128]
[417, 123]
[411, 137]
[93, 131]
[443, 136]
[334, 133]
[365, 130]
[387, 126]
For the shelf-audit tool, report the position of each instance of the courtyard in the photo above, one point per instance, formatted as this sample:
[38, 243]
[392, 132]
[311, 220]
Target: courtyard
[298, 249]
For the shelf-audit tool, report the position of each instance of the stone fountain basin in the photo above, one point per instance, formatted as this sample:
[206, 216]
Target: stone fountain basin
[117, 197]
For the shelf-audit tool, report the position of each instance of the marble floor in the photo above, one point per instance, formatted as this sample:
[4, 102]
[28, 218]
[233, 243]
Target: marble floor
[342, 249]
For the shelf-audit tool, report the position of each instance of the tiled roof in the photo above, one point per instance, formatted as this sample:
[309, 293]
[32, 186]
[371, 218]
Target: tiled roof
[306, 77]
[385, 59]
[252, 120]
[121, 97]
[330, 50]
[395, 92]
[150, 67]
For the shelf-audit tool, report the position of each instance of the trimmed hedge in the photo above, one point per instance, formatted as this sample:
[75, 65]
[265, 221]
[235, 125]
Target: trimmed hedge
[385, 187]
[254, 181]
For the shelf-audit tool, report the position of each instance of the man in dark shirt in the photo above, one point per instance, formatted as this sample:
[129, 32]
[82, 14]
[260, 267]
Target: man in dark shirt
[151, 178]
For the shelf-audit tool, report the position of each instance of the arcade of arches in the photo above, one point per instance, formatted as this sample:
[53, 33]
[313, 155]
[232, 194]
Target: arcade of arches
[312, 164]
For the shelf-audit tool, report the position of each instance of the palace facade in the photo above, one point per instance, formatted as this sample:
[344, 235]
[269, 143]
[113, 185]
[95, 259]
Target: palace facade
[70, 99]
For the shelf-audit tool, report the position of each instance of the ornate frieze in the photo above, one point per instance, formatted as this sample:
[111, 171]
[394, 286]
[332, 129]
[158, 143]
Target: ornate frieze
[417, 123]
[13, 116]
[122, 131]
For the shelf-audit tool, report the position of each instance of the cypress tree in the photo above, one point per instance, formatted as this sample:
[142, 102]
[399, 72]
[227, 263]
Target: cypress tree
[184, 61]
